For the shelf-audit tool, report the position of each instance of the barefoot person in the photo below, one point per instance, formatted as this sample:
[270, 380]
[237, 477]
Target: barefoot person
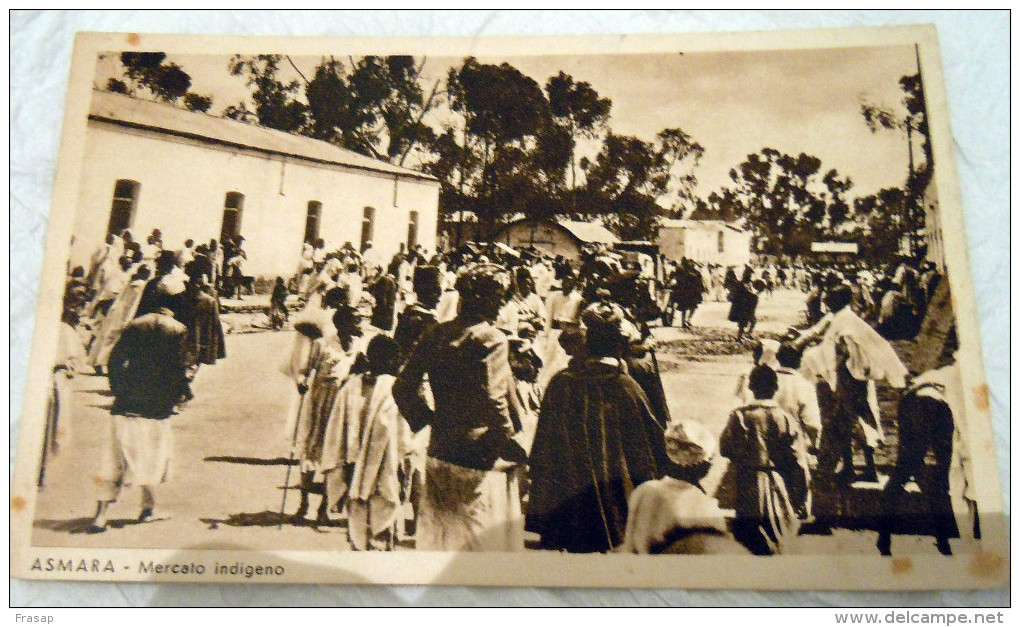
[148, 377]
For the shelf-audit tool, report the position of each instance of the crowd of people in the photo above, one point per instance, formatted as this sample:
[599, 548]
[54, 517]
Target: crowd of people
[147, 317]
[891, 296]
[526, 396]
[492, 392]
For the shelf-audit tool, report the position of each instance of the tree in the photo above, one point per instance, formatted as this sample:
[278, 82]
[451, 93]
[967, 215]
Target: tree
[505, 116]
[147, 70]
[117, 86]
[681, 155]
[140, 67]
[241, 113]
[372, 105]
[166, 82]
[375, 107]
[622, 183]
[721, 205]
[275, 104]
[786, 200]
[197, 102]
[911, 120]
[886, 222]
[169, 82]
[630, 178]
[579, 109]
[836, 188]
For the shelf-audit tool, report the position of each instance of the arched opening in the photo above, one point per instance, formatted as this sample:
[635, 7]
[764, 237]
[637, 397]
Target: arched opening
[367, 227]
[233, 207]
[125, 202]
[312, 220]
[412, 230]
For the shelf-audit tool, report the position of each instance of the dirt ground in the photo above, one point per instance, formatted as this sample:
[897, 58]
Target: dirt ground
[230, 456]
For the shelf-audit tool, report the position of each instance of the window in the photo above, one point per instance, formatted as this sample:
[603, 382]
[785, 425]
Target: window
[367, 227]
[233, 206]
[412, 230]
[312, 219]
[721, 238]
[125, 201]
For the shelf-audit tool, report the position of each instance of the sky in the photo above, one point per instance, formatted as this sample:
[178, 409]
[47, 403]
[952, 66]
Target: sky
[732, 103]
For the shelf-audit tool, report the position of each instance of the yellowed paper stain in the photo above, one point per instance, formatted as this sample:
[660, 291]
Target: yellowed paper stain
[981, 397]
[984, 565]
[902, 565]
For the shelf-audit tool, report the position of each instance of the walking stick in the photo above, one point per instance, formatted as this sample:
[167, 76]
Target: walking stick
[293, 443]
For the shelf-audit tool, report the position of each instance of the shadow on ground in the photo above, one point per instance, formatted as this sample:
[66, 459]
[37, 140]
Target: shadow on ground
[82, 525]
[252, 461]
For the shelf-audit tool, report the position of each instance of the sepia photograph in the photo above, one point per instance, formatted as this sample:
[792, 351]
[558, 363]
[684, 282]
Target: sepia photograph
[561, 311]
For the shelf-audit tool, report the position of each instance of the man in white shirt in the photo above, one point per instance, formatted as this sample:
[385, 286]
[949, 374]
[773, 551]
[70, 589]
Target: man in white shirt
[798, 397]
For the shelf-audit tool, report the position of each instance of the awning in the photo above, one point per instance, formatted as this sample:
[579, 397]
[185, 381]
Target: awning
[507, 249]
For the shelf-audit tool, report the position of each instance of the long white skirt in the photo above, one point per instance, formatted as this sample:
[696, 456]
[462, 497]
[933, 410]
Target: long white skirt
[138, 453]
[463, 509]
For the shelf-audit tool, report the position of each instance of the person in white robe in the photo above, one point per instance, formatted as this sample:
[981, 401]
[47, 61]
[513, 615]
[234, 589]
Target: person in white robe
[70, 360]
[850, 346]
[365, 444]
[673, 515]
[121, 312]
[563, 311]
[330, 360]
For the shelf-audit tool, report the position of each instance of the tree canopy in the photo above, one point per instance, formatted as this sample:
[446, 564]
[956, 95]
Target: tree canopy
[503, 145]
[166, 82]
[787, 200]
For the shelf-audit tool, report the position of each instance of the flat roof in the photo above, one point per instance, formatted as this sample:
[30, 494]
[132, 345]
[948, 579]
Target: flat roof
[163, 118]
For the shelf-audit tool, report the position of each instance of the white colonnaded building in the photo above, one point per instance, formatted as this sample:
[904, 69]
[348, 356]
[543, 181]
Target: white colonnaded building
[149, 165]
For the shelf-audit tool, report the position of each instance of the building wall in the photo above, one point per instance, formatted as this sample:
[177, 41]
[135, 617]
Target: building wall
[550, 238]
[702, 245]
[933, 227]
[738, 248]
[184, 183]
[671, 242]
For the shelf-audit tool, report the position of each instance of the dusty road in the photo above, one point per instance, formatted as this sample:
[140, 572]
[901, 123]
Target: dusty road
[230, 449]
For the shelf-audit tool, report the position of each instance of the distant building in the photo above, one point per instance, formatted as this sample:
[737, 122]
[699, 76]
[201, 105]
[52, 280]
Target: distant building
[191, 175]
[841, 252]
[705, 241]
[555, 237]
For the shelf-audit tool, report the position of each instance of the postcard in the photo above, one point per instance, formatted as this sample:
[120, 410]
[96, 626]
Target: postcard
[686, 311]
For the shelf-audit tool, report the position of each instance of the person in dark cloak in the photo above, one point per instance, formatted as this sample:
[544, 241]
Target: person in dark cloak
[744, 305]
[201, 265]
[384, 291]
[148, 377]
[278, 314]
[925, 423]
[688, 292]
[597, 439]
[163, 289]
[202, 318]
[731, 279]
[418, 318]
